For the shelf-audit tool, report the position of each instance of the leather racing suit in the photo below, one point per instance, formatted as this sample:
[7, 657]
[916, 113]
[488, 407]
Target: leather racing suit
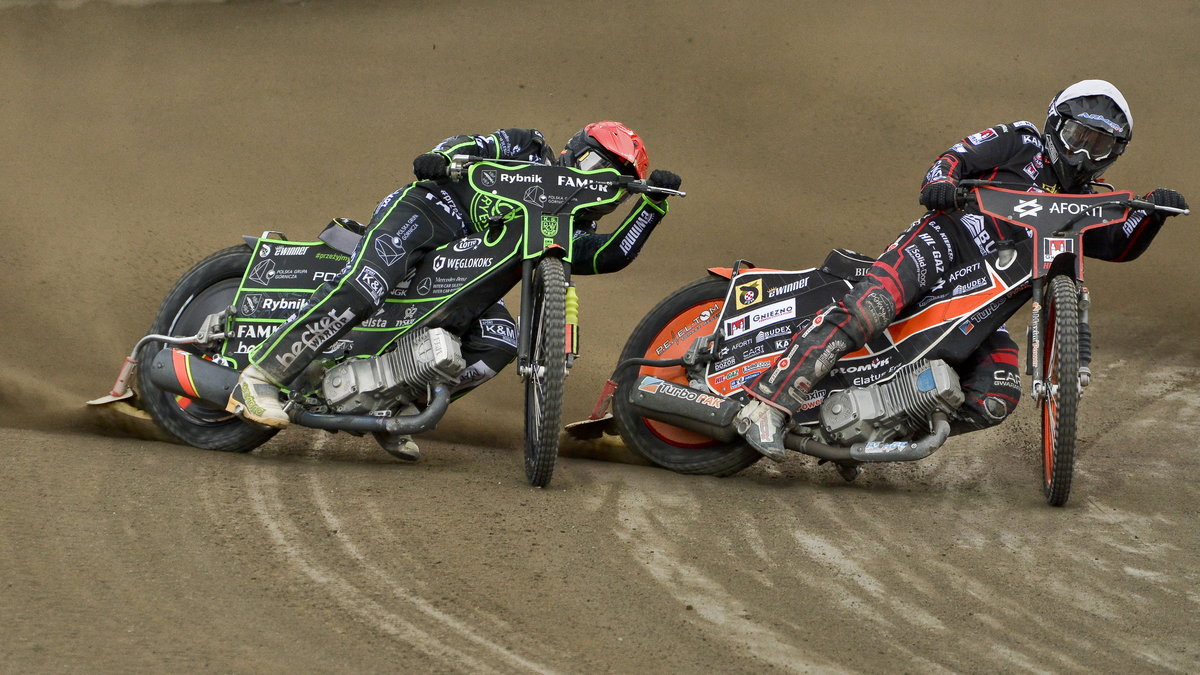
[928, 253]
[407, 225]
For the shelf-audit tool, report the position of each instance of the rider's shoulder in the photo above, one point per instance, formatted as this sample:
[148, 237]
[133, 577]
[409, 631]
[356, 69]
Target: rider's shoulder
[1021, 131]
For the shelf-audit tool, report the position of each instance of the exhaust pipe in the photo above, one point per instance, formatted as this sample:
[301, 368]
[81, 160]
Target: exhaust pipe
[684, 407]
[186, 374]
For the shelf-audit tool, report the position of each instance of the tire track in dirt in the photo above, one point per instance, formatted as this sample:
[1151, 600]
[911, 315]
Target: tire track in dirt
[354, 582]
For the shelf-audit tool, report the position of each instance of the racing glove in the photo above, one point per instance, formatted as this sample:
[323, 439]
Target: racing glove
[938, 196]
[1165, 197]
[663, 179]
[431, 166]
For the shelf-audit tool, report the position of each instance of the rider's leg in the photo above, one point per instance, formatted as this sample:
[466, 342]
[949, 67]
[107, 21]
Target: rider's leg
[391, 247]
[488, 346]
[991, 380]
[917, 262]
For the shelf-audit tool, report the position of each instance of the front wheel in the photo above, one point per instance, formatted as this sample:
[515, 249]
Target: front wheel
[667, 332]
[206, 289]
[1060, 398]
[548, 371]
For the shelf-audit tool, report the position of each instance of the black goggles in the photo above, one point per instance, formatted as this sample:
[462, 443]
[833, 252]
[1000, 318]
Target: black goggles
[1094, 143]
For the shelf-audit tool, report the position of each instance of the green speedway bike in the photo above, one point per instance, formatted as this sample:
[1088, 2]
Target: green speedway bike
[393, 373]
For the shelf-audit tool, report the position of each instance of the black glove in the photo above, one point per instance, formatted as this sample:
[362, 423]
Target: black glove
[938, 196]
[664, 179]
[1165, 197]
[431, 166]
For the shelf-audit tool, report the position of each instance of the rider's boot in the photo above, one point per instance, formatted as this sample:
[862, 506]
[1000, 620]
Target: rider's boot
[762, 425]
[256, 398]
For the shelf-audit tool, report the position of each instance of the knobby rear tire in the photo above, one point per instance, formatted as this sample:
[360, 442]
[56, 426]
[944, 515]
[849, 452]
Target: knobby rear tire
[696, 305]
[1060, 368]
[207, 288]
[544, 385]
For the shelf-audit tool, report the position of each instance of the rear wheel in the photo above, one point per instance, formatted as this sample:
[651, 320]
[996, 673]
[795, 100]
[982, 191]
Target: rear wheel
[1060, 400]
[206, 289]
[667, 332]
[548, 371]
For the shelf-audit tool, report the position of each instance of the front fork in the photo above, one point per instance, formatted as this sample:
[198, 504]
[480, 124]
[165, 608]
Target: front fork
[1036, 337]
[525, 335]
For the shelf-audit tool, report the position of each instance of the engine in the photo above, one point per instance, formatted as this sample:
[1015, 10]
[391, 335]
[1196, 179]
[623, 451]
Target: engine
[892, 410]
[377, 384]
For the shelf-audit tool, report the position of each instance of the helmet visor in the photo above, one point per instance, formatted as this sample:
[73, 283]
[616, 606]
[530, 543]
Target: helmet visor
[592, 160]
[1094, 143]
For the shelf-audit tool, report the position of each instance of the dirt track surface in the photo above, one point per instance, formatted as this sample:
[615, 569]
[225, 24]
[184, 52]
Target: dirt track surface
[140, 138]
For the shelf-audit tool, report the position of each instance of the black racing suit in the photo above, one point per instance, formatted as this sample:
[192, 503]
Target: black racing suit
[416, 219]
[929, 252]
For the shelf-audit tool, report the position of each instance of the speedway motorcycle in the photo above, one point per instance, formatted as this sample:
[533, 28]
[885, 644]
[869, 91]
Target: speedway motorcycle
[676, 389]
[393, 373]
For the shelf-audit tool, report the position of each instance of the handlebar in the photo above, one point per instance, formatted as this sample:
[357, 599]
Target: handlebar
[962, 196]
[460, 163]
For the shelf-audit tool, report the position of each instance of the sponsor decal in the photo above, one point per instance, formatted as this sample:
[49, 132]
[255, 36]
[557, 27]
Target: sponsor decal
[488, 177]
[499, 330]
[1101, 119]
[257, 331]
[250, 304]
[982, 137]
[549, 225]
[656, 386]
[975, 225]
[467, 244]
[1027, 208]
[813, 399]
[1033, 168]
[970, 286]
[915, 254]
[264, 250]
[340, 257]
[1076, 208]
[287, 250]
[1132, 222]
[536, 196]
[390, 249]
[425, 286]
[442, 262]
[875, 364]
[372, 282]
[518, 178]
[966, 327]
[788, 288]
[584, 182]
[635, 232]
[736, 327]
[1052, 247]
[749, 294]
[263, 272]
[782, 331]
[959, 148]
[315, 333]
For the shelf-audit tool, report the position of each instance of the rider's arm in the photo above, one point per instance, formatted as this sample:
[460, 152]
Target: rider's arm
[1123, 241]
[980, 155]
[522, 144]
[604, 253]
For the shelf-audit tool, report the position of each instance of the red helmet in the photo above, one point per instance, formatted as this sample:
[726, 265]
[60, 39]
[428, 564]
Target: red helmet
[607, 144]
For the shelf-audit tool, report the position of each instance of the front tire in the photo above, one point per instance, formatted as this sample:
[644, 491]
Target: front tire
[548, 364]
[207, 288]
[666, 332]
[1060, 400]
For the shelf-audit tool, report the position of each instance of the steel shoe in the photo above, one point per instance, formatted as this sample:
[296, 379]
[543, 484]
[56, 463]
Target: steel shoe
[398, 446]
[256, 398]
[762, 427]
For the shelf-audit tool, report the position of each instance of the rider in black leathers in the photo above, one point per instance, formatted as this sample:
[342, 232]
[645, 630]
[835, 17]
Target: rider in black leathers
[426, 214]
[1088, 126]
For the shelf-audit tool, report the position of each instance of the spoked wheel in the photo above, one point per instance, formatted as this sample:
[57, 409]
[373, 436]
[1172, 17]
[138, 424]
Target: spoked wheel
[548, 371]
[206, 289]
[1060, 400]
[667, 332]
